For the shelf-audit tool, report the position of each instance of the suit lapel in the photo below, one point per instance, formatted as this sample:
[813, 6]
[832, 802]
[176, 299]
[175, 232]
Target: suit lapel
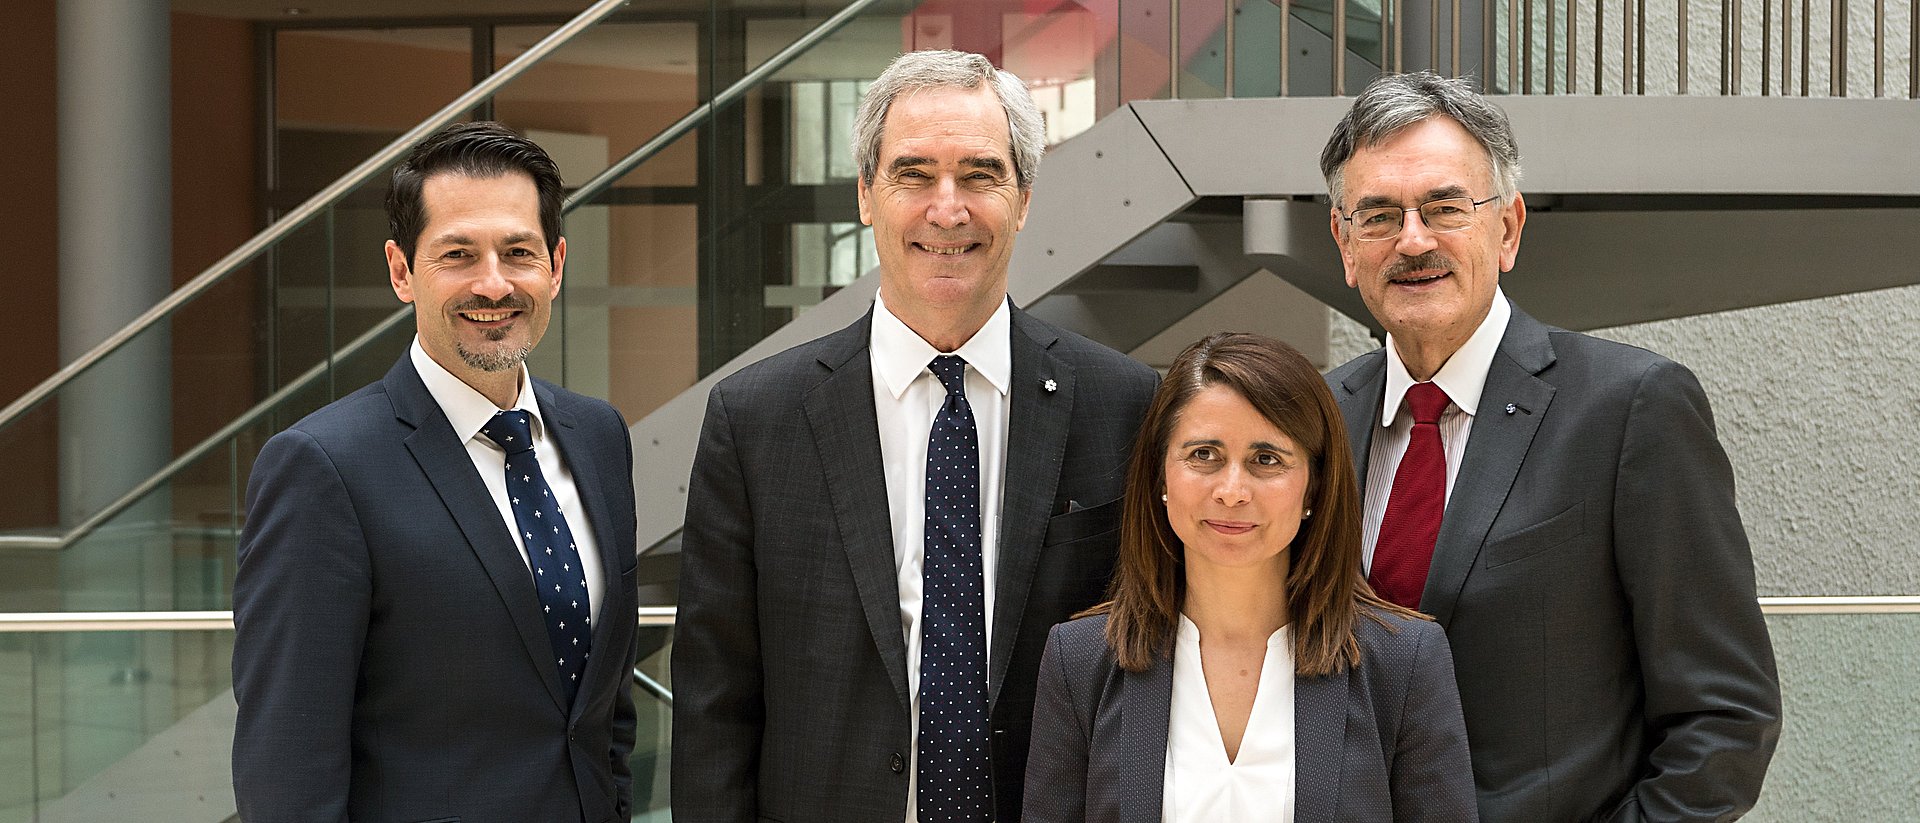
[1319, 740]
[1360, 397]
[443, 459]
[589, 477]
[1146, 704]
[1036, 446]
[846, 438]
[1496, 445]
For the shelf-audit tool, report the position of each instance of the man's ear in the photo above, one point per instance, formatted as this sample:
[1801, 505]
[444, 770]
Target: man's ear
[1339, 242]
[559, 265]
[864, 191]
[1513, 218]
[399, 272]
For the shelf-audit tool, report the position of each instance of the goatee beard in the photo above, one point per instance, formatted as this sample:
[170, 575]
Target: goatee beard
[497, 358]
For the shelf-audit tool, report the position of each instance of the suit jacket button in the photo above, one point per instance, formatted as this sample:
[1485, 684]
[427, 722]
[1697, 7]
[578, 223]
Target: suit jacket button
[897, 763]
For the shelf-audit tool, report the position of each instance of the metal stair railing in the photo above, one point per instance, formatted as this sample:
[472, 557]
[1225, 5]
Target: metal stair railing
[581, 196]
[313, 207]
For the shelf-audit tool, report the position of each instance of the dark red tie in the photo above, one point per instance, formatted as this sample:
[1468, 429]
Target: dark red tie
[1404, 550]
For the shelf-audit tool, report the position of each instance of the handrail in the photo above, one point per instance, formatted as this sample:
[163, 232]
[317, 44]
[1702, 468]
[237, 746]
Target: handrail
[227, 432]
[41, 622]
[142, 621]
[652, 687]
[778, 61]
[300, 216]
[593, 187]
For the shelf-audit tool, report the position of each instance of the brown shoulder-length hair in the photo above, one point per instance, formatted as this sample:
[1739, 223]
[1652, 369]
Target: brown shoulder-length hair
[1325, 590]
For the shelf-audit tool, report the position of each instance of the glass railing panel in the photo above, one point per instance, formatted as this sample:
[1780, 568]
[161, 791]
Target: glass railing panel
[81, 711]
[99, 724]
[1203, 48]
[1850, 683]
[342, 93]
[653, 732]
[608, 91]
[96, 723]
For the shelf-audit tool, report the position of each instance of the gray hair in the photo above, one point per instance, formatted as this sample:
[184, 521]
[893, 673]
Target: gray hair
[950, 69]
[1394, 102]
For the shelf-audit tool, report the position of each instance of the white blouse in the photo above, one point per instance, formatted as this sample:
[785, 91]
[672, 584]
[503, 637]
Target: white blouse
[1202, 786]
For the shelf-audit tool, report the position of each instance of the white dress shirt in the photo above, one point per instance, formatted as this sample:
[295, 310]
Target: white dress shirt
[906, 398]
[1463, 377]
[468, 410]
[1202, 786]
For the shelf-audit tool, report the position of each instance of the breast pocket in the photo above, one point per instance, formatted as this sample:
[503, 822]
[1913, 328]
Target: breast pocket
[1528, 541]
[1083, 523]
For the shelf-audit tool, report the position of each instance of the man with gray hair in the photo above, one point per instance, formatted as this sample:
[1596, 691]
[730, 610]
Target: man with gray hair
[883, 524]
[1558, 502]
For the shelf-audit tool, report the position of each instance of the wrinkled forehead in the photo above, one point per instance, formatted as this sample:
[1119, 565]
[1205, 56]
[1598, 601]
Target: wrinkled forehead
[939, 116]
[1434, 156]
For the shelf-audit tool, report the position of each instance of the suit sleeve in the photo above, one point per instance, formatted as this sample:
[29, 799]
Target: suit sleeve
[1712, 696]
[1057, 755]
[300, 597]
[1432, 777]
[718, 712]
[625, 719]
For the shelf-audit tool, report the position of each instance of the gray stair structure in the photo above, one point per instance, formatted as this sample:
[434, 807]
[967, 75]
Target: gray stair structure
[1640, 208]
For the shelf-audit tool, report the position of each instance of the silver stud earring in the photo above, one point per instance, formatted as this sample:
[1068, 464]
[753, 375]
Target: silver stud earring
[1306, 514]
[1163, 498]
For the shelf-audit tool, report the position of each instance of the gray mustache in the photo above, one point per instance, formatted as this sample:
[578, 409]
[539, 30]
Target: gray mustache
[1430, 260]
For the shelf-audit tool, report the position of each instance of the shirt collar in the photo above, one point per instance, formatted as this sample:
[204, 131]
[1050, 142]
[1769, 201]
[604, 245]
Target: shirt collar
[467, 410]
[901, 355]
[1464, 375]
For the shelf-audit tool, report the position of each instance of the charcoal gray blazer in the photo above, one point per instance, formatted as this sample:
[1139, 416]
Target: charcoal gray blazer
[1596, 586]
[1379, 742]
[789, 661]
[389, 655]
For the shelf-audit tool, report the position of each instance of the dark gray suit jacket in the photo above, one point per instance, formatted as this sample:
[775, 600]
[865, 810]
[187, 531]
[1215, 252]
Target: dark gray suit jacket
[1380, 742]
[1595, 583]
[389, 655]
[789, 664]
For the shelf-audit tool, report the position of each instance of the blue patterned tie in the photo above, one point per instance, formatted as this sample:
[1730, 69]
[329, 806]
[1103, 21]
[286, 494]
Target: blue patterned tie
[955, 780]
[557, 574]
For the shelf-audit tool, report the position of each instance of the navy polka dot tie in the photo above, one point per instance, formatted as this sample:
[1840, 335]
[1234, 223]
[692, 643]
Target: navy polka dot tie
[557, 574]
[955, 780]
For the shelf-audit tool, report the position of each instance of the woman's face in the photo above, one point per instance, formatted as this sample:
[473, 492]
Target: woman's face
[1236, 486]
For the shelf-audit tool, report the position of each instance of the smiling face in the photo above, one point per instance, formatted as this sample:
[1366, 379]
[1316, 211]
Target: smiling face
[482, 281]
[1430, 290]
[944, 204]
[1236, 485]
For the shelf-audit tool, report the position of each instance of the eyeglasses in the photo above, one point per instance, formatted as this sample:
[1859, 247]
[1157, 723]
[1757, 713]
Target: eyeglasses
[1447, 214]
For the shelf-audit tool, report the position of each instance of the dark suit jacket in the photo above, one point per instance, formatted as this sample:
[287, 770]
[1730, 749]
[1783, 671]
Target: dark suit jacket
[1595, 583]
[389, 655]
[789, 665]
[1379, 742]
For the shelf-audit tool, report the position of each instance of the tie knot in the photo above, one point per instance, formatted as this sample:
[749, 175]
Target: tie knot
[513, 430]
[1426, 401]
[951, 370]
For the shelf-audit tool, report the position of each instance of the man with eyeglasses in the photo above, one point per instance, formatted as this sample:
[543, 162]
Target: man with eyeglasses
[1558, 502]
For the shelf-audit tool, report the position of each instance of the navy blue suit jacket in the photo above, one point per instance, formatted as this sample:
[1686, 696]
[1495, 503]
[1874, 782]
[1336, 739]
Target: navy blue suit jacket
[389, 657]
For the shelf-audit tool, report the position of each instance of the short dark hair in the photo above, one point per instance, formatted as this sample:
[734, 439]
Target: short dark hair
[481, 149]
[1326, 591]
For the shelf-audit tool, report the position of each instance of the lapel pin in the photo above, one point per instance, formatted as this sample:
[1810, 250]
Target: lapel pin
[1049, 385]
[1511, 408]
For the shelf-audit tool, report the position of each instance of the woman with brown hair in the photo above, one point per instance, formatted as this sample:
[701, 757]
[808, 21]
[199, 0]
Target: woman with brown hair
[1243, 670]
